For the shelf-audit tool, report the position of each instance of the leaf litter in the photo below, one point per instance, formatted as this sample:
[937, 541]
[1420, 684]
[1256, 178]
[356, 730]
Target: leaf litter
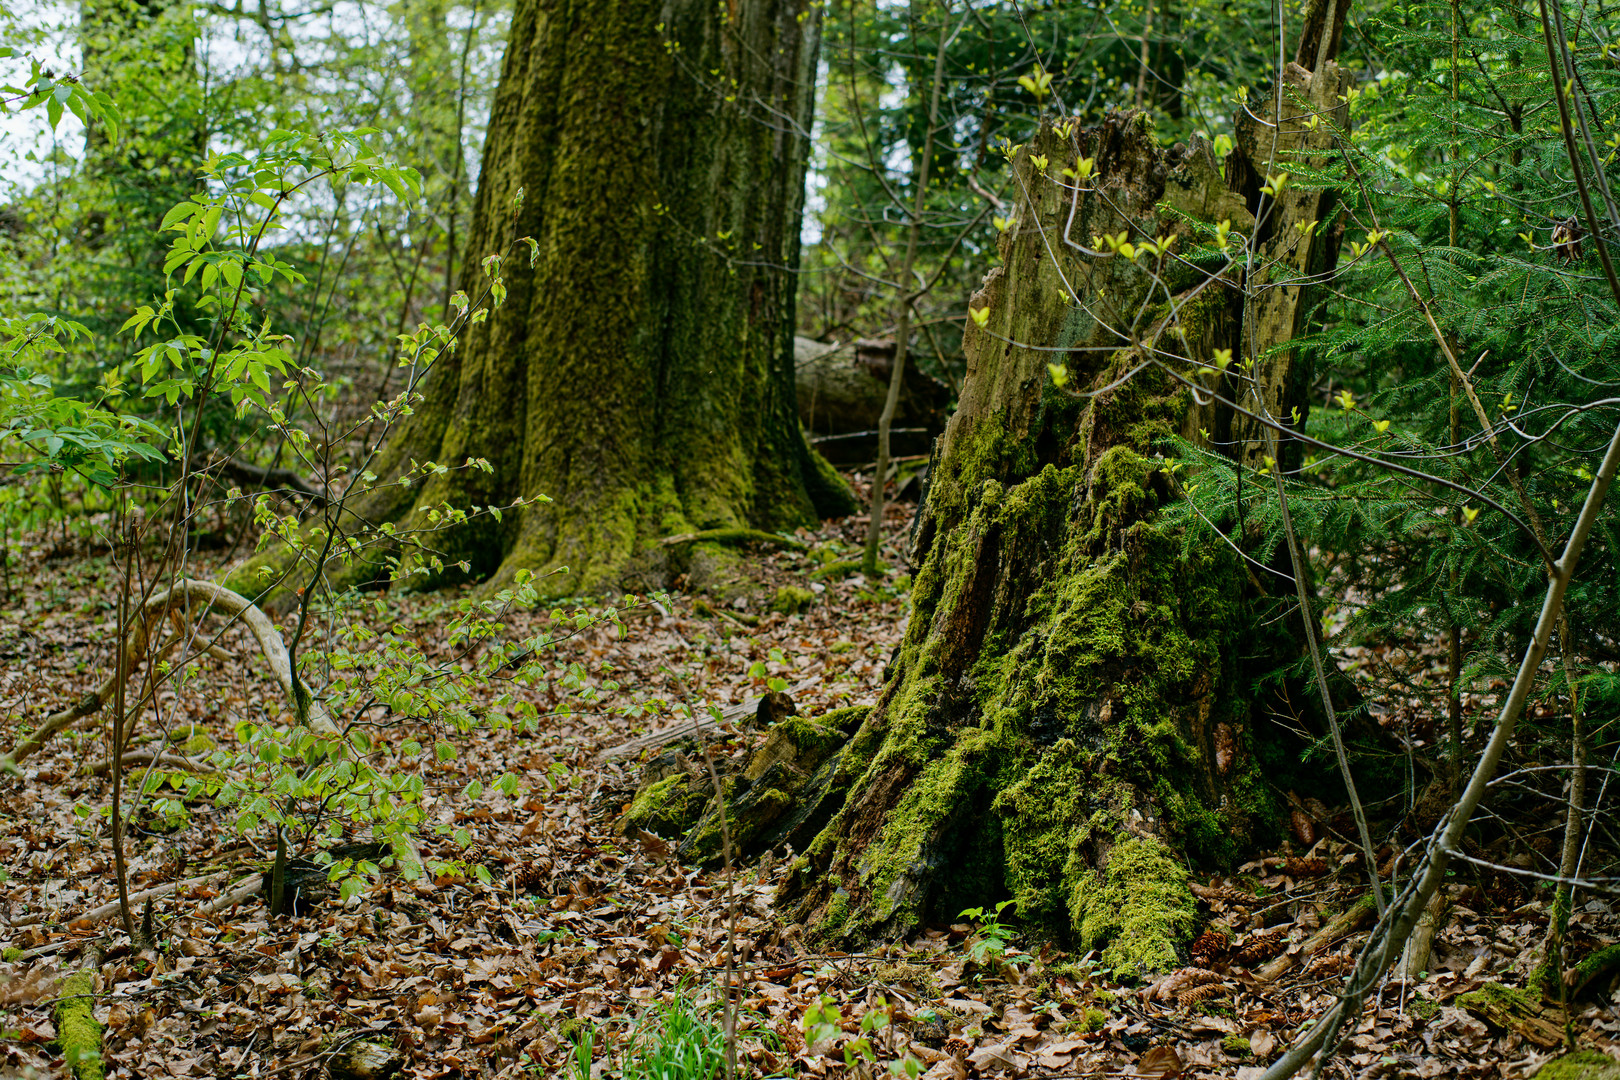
[580, 935]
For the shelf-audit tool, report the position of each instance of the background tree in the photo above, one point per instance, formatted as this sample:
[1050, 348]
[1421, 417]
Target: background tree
[638, 381]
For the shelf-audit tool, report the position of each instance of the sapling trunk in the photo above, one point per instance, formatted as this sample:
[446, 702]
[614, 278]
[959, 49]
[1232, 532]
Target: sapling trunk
[119, 721]
[903, 302]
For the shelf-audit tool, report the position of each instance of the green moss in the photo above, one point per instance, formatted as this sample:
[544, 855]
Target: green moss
[813, 739]
[1073, 649]
[847, 719]
[835, 571]
[11, 954]
[1595, 966]
[77, 1033]
[829, 492]
[1236, 1045]
[1502, 998]
[1424, 1008]
[790, 599]
[1580, 1065]
[199, 744]
[666, 807]
[837, 913]
[736, 536]
[1136, 909]
[749, 816]
[1093, 1020]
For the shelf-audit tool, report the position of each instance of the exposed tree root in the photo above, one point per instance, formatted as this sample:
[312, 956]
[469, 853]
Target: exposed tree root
[734, 536]
[194, 599]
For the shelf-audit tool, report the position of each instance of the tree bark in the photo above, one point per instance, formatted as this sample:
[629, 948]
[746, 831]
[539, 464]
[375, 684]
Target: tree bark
[640, 372]
[1075, 713]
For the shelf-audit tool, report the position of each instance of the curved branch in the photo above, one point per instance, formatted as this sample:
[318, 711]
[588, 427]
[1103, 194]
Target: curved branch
[174, 600]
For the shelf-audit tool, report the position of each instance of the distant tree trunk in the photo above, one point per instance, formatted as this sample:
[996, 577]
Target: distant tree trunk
[1073, 716]
[640, 374]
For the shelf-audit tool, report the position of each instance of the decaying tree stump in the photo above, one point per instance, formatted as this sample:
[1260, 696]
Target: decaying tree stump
[1075, 714]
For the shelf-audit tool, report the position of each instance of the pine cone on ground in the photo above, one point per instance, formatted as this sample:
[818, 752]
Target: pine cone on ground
[1210, 947]
[1329, 965]
[1190, 997]
[1178, 982]
[532, 879]
[1262, 946]
[1225, 894]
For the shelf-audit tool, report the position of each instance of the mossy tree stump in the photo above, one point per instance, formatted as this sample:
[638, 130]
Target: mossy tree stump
[1073, 718]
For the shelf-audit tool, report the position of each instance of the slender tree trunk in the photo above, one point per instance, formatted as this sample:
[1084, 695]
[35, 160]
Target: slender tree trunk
[639, 374]
[1074, 715]
[903, 301]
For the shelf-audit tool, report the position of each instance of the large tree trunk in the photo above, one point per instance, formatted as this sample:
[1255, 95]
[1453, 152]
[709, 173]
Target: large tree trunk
[1074, 715]
[640, 374]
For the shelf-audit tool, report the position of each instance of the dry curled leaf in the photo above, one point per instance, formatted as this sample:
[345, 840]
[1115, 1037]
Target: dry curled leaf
[1160, 1061]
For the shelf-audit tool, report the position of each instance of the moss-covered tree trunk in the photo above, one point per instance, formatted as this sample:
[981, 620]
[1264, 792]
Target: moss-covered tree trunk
[639, 374]
[1073, 718]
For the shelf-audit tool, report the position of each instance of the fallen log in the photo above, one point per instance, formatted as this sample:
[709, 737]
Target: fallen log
[705, 726]
[78, 1033]
[842, 389]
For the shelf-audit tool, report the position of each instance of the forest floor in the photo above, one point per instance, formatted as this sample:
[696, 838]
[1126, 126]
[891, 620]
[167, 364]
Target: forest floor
[588, 954]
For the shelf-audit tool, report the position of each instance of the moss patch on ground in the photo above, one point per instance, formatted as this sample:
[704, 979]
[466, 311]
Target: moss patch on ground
[835, 571]
[790, 599]
[1580, 1065]
[77, 1032]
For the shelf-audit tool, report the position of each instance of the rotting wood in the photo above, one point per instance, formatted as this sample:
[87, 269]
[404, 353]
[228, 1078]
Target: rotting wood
[78, 1033]
[1415, 959]
[1518, 1011]
[1344, 923]
[365, 1060]
[732, 716]
[246, 889]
